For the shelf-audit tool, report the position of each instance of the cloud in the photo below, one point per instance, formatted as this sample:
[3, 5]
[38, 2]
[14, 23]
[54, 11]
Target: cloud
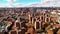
[43, 3]
[19, 5]
[51, 3]
[10, 0]
[46, 3]
[33, 4]
[12, 5]
[6, 5]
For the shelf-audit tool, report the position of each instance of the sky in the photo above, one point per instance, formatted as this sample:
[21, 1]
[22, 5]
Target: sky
[18, 1]
[29, 3]
[10, 3]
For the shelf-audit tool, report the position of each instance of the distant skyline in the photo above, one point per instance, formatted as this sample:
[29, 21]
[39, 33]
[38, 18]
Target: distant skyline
[29, 3]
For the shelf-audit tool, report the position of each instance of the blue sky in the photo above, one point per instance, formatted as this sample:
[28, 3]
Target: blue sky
[29, 3]
[18, 1]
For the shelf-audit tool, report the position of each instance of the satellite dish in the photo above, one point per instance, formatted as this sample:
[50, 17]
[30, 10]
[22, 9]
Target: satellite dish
[58, 13]
[53, 12]
[58, 19]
